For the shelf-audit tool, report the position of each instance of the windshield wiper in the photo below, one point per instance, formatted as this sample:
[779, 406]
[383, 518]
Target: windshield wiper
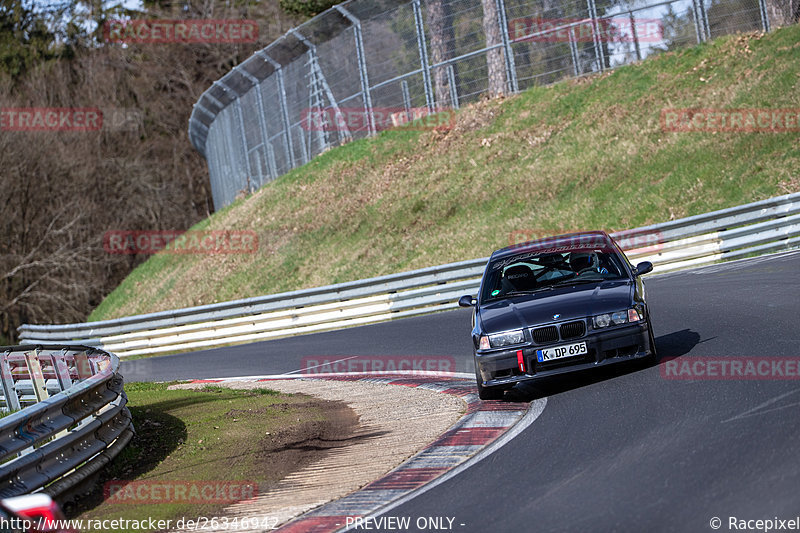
[532, 291]
[575, 281]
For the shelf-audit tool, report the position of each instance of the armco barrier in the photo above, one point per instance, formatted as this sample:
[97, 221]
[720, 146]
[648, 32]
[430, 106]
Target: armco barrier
[760, 227]
[54, 442]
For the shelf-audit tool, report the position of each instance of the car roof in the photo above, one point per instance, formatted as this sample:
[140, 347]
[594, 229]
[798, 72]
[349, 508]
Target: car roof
[554, 241]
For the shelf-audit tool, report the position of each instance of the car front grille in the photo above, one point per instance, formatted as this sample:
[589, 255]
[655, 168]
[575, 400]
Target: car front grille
[573, 330]
[558, 332]
[545, 334]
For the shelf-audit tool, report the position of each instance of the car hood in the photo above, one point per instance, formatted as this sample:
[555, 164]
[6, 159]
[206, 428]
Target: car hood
[569, 302]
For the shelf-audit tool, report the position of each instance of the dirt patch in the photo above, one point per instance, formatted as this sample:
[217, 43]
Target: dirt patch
[394, 423]
[331, 424]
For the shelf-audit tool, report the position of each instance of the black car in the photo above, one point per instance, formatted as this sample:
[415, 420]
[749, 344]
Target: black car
[561, 304]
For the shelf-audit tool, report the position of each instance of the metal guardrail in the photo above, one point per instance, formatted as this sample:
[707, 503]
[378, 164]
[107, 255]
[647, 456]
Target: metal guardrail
[759, 227]
[53, 442]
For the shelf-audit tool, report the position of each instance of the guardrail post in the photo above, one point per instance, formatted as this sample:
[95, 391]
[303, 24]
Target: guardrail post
[422, 47]
[362, 67]
[511, 67]
[9, 391]
[62, 370]
[37, 376]
[83, 366]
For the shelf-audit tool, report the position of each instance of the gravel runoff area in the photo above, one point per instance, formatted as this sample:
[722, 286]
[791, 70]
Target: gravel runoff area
[395, 423]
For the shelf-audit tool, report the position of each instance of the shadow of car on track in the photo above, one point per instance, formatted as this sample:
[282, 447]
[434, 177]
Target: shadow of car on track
[670, 346]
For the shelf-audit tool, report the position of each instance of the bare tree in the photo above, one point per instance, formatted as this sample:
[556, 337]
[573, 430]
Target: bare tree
[440, 22]
[495, 58]
[783, 12]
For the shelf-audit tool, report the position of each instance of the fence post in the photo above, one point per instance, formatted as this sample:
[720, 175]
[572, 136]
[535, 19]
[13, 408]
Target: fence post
[762, 8]
[451, 80]
[701, 21]
[598, 48]
[229, 152]
[698, 30]
[289, 147]
[243, 136]
[303, 149]
[406, 99]
[325, 87]
[273, 168]
[573, 51]
[511, 66]
[362, 67]
[635, 36]
[262, 121]
[422, 47]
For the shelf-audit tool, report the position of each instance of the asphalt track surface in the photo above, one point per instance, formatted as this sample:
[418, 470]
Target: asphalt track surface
[622, 449]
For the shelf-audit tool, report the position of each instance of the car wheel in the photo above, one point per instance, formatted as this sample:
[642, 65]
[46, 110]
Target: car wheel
[488, 393]
[653, 357]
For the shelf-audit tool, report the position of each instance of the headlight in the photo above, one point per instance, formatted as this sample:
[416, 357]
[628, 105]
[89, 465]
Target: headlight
[620, 317]
[483, 344]
[509, 338]
[602, 321]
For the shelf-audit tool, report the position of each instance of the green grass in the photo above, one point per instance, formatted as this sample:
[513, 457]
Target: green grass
[210, 434]
[582, 154]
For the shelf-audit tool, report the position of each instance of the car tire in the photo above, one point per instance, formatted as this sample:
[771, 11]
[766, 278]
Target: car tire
[653, 356]
[488, 393]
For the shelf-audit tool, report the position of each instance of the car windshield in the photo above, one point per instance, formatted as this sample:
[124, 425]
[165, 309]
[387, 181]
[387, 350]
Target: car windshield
[526, 273]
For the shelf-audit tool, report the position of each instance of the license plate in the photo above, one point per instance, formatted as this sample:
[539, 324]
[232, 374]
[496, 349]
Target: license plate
[560, 352]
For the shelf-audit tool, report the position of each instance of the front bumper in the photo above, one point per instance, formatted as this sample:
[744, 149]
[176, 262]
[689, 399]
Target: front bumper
[604, 347]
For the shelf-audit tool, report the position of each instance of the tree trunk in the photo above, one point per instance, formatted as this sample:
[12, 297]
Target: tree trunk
[495, 58]
[442, 39]
[783, 12]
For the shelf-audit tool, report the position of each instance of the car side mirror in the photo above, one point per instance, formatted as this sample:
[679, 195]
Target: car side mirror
[466, 301]
[643, 268]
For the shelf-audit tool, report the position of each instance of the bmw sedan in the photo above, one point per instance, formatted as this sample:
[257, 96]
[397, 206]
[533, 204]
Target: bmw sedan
[562, 304]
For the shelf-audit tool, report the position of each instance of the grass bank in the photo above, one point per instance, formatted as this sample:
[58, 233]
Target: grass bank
[200, 439]
[583, 154]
